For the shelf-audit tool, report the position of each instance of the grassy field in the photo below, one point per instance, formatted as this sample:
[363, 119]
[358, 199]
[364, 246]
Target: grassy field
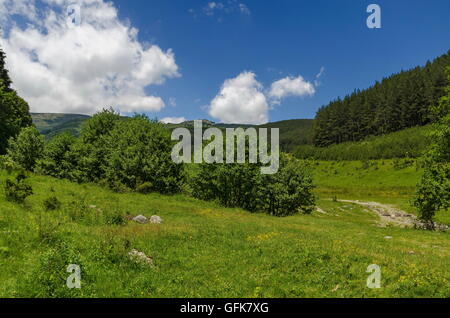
[204, 250]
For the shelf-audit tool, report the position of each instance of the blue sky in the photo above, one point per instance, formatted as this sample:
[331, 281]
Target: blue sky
[281, 38]
[277, 39]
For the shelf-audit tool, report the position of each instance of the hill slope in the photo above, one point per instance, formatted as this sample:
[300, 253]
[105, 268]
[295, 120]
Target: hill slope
[204, 250]
[407, 143]
[400, 101]
[292, 132]
[53, 124]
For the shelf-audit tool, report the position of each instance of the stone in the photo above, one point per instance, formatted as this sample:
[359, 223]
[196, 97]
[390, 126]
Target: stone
[156, 219]
[140, 257]
[140, 219]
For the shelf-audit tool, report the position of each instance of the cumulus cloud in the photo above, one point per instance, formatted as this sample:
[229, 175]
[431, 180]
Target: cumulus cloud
[241, 100]
[173, 120]
[291, 86]
[81, 69]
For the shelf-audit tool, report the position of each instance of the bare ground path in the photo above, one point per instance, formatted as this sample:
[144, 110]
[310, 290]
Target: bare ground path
[391, 215]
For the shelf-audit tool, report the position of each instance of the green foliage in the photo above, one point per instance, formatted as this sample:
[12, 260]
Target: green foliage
[242, 185]
[206, 250]
[398, 102]
[26, 149]
[59, 159]
[433, 192]
[123, 153]
[290, 191]
[52, 203]
[51, 125]
[408, 143]
[17, 191]
[144, 188]
[139, 151]
[14, 111]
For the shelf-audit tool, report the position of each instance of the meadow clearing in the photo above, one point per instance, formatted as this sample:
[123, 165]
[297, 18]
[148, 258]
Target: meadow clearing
[204, 250]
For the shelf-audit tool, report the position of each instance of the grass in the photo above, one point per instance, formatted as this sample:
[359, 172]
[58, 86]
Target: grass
[204, 250]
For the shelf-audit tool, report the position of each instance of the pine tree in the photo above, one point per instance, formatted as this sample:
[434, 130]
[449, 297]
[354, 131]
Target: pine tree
[5, 81]
[14, 111]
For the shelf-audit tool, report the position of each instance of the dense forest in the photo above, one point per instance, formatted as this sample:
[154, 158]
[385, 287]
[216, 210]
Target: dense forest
[400, 101]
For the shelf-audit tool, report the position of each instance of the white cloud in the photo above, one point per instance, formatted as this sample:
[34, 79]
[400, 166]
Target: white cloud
[241, 101]
[291, 86]
[173, 120]
[81, 69]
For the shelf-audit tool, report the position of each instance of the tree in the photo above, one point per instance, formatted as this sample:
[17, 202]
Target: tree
[285, 193]
[59, 159]
[14, 111]
[433, 192]
[138, 151]
[26, 149]
[400, 101]
[5, 81]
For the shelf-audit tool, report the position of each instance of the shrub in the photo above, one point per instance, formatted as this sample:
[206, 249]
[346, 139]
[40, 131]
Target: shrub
[26, 149]
[115, 218]
[52, 203]
[144, 188]
[17, 191]
[140, 152]
[242, 185]
[289, 191]
[433, 192]
[58, 159]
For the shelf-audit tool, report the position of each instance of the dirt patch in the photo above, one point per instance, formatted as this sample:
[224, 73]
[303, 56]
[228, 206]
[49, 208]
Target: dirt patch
[390, 215]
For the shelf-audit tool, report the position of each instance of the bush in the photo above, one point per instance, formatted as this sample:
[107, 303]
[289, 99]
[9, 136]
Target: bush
[289, 191]
[52, 203]
[19, 190]
[26, 149]
[115, 218]
[144, 188]
[433, 193]
[242, 185]
[233, 185]
[58, 159]
[139, 151]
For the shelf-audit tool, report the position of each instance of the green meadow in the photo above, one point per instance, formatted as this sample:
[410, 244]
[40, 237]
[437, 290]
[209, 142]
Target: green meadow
[204, 250]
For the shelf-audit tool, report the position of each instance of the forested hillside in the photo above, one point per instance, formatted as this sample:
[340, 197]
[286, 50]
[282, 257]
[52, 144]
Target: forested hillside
[407, 143]
[51, 125]
[293, 133]
[400, 101]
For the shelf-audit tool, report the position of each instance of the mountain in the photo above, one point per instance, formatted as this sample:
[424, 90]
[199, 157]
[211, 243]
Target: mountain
[54, 124]
[293, 133]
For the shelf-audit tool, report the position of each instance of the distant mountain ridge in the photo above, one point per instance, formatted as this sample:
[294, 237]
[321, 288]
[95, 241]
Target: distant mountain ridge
[293, 132]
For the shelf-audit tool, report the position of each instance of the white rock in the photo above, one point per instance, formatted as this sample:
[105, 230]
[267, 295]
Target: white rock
[140, 257]
[140, 219]
[156, 219]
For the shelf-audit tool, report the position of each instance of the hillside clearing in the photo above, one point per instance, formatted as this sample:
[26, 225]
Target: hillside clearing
[204, 250]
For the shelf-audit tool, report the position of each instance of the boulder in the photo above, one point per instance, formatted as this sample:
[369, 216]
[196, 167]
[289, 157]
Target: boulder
[140, 257]
[140, 219]
[156, 219]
